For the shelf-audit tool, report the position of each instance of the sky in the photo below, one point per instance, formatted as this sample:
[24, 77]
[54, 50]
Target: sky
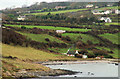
[18, 3]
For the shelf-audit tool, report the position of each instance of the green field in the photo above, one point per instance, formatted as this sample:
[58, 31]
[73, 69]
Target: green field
[115, 50]
[103, 8]
[85, 37]
[113, 23]
[25, 58]
[41, 37]
[112, 37]
[57, 12]
[51, 28]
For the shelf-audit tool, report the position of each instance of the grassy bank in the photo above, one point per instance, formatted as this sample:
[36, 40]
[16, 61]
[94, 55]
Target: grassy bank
[16, 58]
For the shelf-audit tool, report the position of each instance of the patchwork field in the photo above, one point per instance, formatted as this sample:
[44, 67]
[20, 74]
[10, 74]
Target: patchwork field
[115, 50]
[85, 37]
[52, 28]
[112, 37]
[41, 37]
[57, 12]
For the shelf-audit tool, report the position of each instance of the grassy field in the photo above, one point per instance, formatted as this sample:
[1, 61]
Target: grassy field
[115, 50]
[57, 12]
[25, 58]
[104, 8]
[113, 23]
[85, 37]
[41, 37]
[52, 28]
[112, 37]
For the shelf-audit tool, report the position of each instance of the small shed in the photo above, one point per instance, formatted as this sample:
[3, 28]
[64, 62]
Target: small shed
[84, 56]
[60, 31]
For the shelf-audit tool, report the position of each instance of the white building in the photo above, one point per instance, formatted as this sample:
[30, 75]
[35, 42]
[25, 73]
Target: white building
[89, 6]
[84, 56]
[22, 18]
[62, 7]
[76, 52]
[60, 31]
[107, 12]
[117, 11]
[106, 19]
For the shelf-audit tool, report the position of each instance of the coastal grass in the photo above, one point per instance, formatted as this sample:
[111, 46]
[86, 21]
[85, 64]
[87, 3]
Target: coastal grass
[57, 12]
[51, 28]
[28, 53]
[114, 38]
[25, 58]
[41, 37]
[82, 37]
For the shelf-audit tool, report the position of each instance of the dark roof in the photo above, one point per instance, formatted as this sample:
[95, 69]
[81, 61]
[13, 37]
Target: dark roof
[71, 53]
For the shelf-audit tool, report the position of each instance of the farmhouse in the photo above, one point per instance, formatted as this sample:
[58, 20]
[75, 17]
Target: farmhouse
[89, 6]
[62, 7]
[107, 12]
[60, 31]
[84, 56]
[71, 53]
[97, 12]
[22, 18]
[106, 19]
[117, 11]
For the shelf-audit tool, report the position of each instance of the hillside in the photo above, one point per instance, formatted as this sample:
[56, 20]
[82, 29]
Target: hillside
[23, 57]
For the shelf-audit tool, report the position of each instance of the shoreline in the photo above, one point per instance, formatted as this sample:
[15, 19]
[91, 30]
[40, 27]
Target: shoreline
[111, 61]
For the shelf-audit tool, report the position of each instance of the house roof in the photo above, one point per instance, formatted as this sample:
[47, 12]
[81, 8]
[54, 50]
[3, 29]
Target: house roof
[71, 52]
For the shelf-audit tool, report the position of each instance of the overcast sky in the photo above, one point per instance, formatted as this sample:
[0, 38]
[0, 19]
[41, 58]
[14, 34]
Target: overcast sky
[18, 3]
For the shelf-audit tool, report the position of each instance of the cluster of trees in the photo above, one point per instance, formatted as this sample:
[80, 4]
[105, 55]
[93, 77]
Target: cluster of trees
[14, 38]
[9, 36]
[95, 52]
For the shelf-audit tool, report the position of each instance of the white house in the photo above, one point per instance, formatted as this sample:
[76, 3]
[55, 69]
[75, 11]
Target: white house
[106, 19]
[62, 7]
[84, 56]
[60, 31]
[22, 18]
[96, 7]
[89, 6]
[107, 12]
[76, 52]
[97, 12]
[117, 11]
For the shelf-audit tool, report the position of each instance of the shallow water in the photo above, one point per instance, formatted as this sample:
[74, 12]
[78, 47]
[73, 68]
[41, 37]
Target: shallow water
[89, 69]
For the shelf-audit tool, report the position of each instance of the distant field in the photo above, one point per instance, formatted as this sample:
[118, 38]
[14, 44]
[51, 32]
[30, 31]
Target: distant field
[112, 37]
[56, 12]
[113, 23]
[41, 37]
[113, 7]
[85, 37]
[52, 28]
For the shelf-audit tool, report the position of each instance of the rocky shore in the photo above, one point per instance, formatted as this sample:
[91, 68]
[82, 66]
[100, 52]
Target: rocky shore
[38, 74]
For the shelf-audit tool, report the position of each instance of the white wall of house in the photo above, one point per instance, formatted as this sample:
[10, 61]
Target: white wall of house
[117, 11]
[84, 56]
[60, 31]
